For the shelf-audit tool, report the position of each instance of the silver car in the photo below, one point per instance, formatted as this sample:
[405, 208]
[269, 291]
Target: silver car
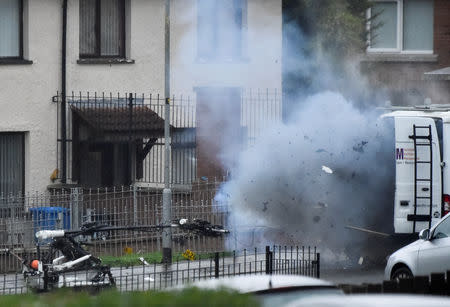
[429, 254]
[272, 290]
[373, 300]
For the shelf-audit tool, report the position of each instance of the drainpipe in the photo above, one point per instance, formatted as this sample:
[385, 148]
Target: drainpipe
[63, 97]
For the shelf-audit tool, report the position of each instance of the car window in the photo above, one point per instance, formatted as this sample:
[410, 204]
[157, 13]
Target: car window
[442, 230]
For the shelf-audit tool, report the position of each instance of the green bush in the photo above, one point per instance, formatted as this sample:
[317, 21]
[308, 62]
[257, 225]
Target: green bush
[189, 297]
[154, 257]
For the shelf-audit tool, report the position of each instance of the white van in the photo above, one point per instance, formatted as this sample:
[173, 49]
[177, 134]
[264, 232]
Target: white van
[422, 173]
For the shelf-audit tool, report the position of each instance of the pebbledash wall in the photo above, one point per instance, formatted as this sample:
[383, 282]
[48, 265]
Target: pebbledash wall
[26, 89]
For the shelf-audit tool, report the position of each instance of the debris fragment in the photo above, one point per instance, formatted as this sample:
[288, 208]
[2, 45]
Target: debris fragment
[327, 170]
[360, 147]
[368, 231]
[321, 205]
[321, 150]
[265, 206]
[143, 261]
[316, 219]
[361, 260]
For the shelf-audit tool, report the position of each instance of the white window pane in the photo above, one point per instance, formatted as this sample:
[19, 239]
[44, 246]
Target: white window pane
[9, 28]
[229, 28]
[384, 34]
[418, 25]
[206, 18]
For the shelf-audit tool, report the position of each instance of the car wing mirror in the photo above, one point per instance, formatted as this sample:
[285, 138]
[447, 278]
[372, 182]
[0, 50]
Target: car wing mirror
[424, 234]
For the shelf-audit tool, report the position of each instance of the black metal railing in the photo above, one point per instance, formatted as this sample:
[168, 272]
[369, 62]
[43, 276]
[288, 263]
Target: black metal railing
[274, 260]
[125, 134]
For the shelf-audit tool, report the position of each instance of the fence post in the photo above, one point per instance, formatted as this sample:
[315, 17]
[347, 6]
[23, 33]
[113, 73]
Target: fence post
[267, 259]
[448, 283]
[59, 221]
[437, 283]
[421, 284]
[318, 265]
[390, 286]
[406, 285]
[271, 262]
[76, 196]
[216, 265]
[135, 212]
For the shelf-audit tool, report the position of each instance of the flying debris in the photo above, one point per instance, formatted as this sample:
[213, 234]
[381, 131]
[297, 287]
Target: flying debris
[321, 205]
[360, 147]
[327, 169]
[144, 262]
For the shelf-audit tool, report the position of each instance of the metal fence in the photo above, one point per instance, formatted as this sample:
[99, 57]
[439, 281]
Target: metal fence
[22, 216]
[273, 260]
[118, 139]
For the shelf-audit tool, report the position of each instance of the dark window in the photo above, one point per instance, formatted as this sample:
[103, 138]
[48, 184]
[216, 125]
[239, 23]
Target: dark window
[12, 163]
[220, 28]
[102, 28]
[11, 29]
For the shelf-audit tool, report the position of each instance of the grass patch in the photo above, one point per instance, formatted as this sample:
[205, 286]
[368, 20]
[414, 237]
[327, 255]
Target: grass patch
[152, 258]
[189, 297]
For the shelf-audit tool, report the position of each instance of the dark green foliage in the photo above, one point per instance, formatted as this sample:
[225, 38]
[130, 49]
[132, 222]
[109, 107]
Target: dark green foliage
[320, 37]
[337, 26]
[189, 297]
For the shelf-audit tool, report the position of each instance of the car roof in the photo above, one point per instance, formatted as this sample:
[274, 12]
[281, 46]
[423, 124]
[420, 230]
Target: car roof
[257, 283]
[372, 300]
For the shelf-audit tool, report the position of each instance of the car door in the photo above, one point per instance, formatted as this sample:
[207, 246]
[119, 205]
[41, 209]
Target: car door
[434, 254]
[405, 154]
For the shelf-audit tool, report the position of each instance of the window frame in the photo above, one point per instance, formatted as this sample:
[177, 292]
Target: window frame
[23, 136]
[21, 36]
[399, 48]
[122, 46]
[243, 37]
[443, 222]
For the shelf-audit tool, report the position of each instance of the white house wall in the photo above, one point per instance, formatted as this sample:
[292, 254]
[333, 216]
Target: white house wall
[27, 90]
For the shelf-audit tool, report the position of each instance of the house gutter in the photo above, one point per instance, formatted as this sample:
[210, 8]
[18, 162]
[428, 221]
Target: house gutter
[63, 96]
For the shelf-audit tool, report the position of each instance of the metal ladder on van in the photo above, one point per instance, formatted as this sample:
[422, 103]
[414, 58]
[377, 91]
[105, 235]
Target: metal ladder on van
[426, 142]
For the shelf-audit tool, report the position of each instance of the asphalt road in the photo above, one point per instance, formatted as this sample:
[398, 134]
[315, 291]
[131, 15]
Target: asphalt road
[357, 276]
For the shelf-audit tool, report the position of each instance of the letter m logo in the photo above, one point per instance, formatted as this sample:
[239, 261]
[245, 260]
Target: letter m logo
[399, 154]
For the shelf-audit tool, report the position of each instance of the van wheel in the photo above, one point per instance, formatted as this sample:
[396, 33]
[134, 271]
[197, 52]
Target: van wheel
[402, 272]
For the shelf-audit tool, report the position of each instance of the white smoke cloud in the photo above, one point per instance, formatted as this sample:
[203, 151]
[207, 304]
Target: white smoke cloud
[280, 182]
[279, 191]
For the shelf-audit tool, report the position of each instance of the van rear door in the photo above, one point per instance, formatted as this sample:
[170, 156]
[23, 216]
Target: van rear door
[412, 212]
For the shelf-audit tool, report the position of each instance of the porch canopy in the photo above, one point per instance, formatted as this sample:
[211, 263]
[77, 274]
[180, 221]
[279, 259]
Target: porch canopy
[442, 74]
[119, 121]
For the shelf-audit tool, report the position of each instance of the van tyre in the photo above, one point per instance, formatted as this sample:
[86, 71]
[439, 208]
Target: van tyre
[402, 272]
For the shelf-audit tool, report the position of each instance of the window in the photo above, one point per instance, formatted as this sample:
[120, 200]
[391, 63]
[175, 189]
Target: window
[11, 29]
[443, 230]
[220, 29]
[102, 28]
[401, 26]
[12, 162]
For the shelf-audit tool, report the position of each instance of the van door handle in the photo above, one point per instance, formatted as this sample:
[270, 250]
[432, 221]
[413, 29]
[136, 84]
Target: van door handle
[404, 203]
[425, 189]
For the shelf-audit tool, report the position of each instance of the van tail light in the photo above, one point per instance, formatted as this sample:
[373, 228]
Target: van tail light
[446, 204]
